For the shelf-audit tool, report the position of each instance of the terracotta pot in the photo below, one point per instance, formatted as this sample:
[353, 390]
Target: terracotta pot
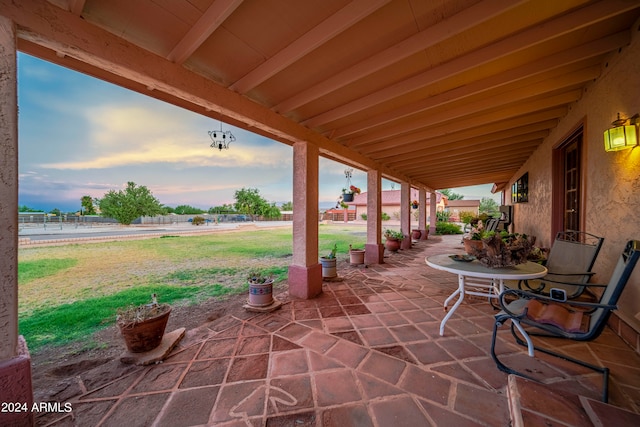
[356, 256]
[261, 294]
[328, 267]
[470, 245]
[146, 335]
[416, 234]
[347, 197]
[392, 244]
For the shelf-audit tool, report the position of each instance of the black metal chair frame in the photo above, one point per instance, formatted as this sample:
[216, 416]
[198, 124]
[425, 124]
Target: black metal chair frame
[599, 314]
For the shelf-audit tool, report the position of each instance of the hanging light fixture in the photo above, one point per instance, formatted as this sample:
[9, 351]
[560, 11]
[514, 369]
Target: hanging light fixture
[221, 139]
[623, 134]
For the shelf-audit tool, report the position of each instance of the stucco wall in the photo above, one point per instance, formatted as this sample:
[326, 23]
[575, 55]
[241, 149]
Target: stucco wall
[612, 190]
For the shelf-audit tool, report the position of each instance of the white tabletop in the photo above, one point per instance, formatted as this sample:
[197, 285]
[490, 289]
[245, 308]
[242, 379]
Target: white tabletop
[528, 270]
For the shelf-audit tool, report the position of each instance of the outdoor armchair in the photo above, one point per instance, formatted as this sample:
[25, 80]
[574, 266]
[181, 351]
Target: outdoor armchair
[537, 315]
[569, 263]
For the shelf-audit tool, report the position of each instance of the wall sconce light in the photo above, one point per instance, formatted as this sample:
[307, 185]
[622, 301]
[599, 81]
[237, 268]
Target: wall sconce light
[623, 134]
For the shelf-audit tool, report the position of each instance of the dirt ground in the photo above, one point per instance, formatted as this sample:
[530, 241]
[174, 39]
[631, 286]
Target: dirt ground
[58, 373]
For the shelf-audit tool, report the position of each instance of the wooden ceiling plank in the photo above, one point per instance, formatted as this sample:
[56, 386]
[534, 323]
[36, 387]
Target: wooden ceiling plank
[329, 28]
[520, 108]
[76, 6]
[492, 124]
[456, 24]
[538, 67]
[426, 119]
[468, 147]
[465, 139]
[211, 19]
[543, 32]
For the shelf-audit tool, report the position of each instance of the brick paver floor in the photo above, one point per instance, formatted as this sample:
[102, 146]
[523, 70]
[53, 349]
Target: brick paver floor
[364, 353]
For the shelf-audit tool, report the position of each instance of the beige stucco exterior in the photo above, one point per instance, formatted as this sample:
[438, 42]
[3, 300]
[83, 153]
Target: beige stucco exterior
[611, 186]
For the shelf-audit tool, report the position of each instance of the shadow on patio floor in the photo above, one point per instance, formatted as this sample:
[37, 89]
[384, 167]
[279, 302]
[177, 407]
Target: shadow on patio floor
[365, 353]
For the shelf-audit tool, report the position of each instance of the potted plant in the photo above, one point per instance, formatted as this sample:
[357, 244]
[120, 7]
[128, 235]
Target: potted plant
[356, 256]
[260, 289]
[415, 204]
[393, 240]
[472, 240]
[142, 327]
[329, 263]
[347, 194]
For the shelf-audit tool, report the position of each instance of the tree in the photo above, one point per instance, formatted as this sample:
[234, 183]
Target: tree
[129, 204]
[224, 209]
[249, 202]
[451, 195]
[25, 208]
[87, 204]
[287, 206]
[489, 206]
[187, 210]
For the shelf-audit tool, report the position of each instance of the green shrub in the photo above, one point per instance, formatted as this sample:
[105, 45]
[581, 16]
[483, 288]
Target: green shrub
[198, 220]
[385, 216]
[466, 217]
[447, 228]
[363, 216]
[443, 216]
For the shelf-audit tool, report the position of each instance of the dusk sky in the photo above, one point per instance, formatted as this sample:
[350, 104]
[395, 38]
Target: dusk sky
[81, 136]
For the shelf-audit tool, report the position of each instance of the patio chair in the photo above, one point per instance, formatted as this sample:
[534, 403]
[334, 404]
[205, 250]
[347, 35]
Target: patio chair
[569, 263]
[574, 320]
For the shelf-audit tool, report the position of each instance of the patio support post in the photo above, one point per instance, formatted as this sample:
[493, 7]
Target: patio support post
[305, 272]
[422, 213]
[405, 214]
[374, 249]
[433, 218]
[15, 361]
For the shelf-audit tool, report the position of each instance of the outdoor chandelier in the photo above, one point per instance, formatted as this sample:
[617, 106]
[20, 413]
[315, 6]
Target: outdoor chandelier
[623, 134]
[221, 139]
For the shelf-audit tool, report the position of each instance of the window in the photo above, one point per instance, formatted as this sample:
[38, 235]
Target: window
[520, 189]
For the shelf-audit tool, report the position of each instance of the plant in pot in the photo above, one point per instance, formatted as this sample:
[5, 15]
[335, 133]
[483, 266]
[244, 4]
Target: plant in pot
[347, 194]
[260, 289]
[472, 240]
[356, 256]
[142, 327]
[329, 263]
[393, 240]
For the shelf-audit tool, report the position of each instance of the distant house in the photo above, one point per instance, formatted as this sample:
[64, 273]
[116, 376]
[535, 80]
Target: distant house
[458, 206]
[391, 202]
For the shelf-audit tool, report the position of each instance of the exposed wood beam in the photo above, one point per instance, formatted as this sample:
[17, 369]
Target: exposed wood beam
[76, 6]
[538, 67]
[467, 139]
[337, 23]
[516, 43]
[466, 19]
[463, 109]
[468, 147]
[210, 20]
[496, 114]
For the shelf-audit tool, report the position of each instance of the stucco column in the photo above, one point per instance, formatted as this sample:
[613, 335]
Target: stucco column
[305, 273]
[374, 249]
[433, 218]
[15, 362]
[422, 213]
[405, 214]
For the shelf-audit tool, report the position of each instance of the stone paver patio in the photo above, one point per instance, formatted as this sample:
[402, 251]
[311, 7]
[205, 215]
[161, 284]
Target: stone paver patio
[365, 353]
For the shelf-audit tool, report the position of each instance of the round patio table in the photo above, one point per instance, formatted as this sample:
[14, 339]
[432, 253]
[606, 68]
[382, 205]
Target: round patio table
[476, 279]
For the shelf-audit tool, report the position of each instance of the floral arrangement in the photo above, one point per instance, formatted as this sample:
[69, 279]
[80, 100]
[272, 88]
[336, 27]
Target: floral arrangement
[477, 232]
[415, 204]
[503, 249]
[352, 190]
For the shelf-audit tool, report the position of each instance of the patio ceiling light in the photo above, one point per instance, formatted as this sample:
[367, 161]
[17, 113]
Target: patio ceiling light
[623, 134]
[221, 139]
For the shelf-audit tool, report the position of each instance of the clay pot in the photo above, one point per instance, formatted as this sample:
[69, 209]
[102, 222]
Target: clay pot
[146, 335]
[328, 267]
[356, 256]
[470, 245]
[261, 294]
[392, 244]
[416, 234]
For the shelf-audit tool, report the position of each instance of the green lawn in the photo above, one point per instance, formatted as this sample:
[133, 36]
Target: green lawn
[67, 293]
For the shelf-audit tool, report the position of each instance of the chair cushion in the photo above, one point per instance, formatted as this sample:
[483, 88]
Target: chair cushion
[558, 316]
